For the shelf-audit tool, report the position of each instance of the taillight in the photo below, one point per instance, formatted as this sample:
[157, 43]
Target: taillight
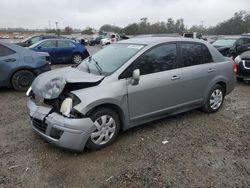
[234, 68]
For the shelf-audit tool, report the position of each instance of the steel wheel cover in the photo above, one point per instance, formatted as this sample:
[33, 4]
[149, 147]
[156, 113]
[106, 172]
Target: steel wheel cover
[105, 129]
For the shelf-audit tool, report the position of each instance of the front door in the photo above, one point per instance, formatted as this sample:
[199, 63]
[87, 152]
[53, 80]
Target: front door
[158, 90]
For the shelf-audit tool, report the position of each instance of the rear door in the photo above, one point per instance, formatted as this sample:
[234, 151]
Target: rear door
[198, 69]
[50, 47]
[9, 59]
[64, 50]
[158, 89]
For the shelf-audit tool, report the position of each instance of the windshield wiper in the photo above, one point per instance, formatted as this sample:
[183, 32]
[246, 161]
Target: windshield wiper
[99, 68]
[86, 63]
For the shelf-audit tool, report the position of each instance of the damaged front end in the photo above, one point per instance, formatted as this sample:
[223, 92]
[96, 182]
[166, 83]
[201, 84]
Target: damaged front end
[51, 107]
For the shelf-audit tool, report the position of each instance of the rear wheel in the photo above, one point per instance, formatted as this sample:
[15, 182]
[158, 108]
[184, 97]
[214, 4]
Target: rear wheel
[215, 99]
[22, 80]
[77, 58]
[107, 125]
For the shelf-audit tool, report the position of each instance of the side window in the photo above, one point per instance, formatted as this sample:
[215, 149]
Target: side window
[160, 58]
[206, 55]
[240, 41]
[246, 40]
[71, 45]
[34, 40]
[4, 51]
[63, 44]
[48, 44]
[191, 54]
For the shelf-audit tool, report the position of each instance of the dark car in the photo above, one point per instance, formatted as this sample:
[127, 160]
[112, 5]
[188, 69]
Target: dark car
[241, 45]
[224, 45]
[243, 66]
[95, 41]
[62, 50]
[233, 46]
[34, 39]
[19, 66]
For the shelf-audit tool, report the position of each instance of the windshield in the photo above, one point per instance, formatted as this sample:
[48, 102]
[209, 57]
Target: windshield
[224, 42]
[109, 59]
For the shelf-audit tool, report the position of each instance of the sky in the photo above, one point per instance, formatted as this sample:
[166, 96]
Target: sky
[42, 14]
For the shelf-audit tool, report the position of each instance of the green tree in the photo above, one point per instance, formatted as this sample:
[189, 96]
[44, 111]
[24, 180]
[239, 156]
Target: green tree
[68, 30]
[88, 31]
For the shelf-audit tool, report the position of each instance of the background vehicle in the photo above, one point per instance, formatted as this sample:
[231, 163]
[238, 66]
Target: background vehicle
[110, 38]
[34, 39]
[20, 66]
[62, 50]
[223, 45]
[241, 45]
[127, 84]
[193, 35]
[95, 41]
[243, 66]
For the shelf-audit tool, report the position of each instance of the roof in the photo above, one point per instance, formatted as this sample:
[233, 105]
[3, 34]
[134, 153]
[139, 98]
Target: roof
[154, 40]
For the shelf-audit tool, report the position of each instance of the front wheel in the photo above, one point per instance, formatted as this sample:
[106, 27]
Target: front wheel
[22, 80]
[107, 126]
[214, 99]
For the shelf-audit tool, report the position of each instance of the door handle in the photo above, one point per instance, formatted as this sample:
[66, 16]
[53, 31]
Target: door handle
[210, 70]
[175, 77]
[10, 60]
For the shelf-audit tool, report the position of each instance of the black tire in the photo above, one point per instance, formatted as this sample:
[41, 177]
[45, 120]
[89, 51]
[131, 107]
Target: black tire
[77, 58]
[208, 107]
[95, 116]
[239, 79]
[21, 80]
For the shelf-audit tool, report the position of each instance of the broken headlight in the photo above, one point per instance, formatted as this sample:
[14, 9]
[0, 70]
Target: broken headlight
[68, 104]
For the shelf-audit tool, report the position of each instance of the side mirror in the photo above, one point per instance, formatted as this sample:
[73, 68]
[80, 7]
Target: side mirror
[39, 47]
[29, 42]
[136, 77]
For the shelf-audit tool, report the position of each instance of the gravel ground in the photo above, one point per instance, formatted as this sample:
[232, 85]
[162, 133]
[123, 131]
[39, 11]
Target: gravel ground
[200, 150]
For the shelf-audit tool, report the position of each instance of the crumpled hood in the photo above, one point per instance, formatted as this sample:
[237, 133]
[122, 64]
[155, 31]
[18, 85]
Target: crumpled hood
[49, 85]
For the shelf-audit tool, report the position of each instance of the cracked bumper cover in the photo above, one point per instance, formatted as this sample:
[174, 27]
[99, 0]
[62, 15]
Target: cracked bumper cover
[75, 131]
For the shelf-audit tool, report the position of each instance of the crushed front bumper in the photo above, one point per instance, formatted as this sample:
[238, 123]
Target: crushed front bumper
[61, 131]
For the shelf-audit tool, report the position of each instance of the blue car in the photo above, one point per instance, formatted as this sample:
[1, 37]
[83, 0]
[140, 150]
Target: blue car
[62, 50]
[19, 66]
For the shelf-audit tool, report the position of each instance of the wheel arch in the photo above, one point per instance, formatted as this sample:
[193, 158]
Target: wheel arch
[111, 106]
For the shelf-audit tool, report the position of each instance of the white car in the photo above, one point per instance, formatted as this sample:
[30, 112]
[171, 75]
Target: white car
[111, 38]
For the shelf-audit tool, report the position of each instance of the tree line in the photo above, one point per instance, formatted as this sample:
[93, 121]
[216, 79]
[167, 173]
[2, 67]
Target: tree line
[238, 24]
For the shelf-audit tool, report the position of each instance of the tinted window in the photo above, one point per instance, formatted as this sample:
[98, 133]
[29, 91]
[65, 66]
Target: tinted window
[48, 44]
[191, 54]
[4, 51]
[63, 44]
[206, 54]
[240, 41]
[246, 40]
[160, 58]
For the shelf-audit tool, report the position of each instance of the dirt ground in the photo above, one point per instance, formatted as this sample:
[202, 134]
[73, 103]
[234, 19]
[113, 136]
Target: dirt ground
[200, 150]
